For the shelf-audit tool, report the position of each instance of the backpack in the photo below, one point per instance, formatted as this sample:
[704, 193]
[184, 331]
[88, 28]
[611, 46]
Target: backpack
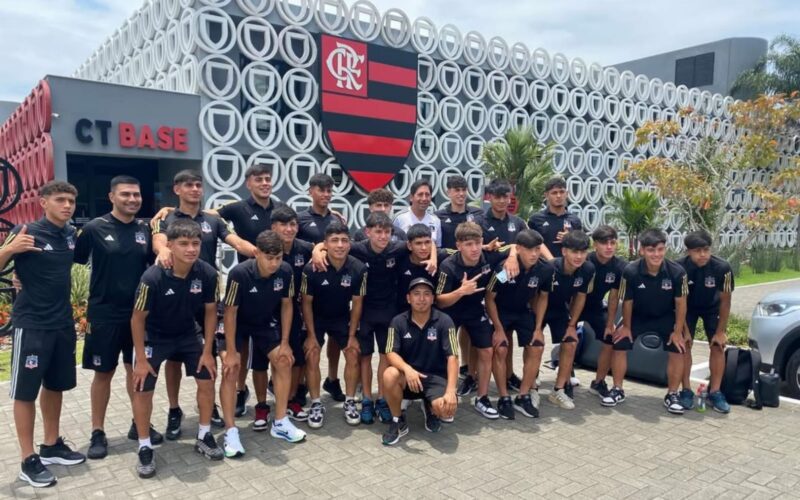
[741, 375]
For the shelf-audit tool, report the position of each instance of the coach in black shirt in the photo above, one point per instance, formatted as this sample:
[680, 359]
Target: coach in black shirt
[498, 223]
[457, 211]
[554, 222]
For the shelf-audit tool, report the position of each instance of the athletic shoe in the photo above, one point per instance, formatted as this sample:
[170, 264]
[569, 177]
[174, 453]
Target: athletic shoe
[617, 394]
[524, 405]
[505, 408]
[483, 405]
[513, 382]
[98, 445]
[241, 401]
[216, 419]
[286, 430]
[334, 388]
[718, 402]
[383, 411]
[296, 412]
[146, 466]
[396, 431]
[462, 371]
[262, 417]
[60, 453]
[156, 438]
[33, 472]
[672, 402]
[598, 388]
[232, 444]
[468, 385]
[686, 398]
[316, 415]
[300, 395]
[174, 419]
[561, 399]
[367, 412]
[432, 422]
[351, 415]
[209, 448]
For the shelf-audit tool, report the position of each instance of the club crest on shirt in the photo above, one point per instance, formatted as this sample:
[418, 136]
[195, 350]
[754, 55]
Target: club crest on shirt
[148, 351]
[486, 269]
[299, 260]
[346, 280]
[666, 284]
[431, 333]
[205, 227]
[140, 238]
[70, 243]
[511, 227]
[470, 218]
[97, 360]
[32, 361]
[578, 282]
[277, 286]
[533, 282]
[196, 286]
[611, 277]
[390, 263]
[710, 282]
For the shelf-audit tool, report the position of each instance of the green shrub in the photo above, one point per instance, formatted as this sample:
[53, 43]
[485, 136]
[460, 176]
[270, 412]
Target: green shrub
[774, 260]
[758, 259]
[793, 259]
[734, 259]
[737, 331]
[79, 294]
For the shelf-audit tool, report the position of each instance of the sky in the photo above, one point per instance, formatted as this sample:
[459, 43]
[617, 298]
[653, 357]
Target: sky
[40, 37]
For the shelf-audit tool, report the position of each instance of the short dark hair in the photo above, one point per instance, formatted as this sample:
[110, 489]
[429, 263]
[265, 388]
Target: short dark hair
[698, 239]
[188, 175]
[529, 238]
[283, 214]
[183, 228]
[652, 237]
[123, 179]
[269, 243]
[258, 169]
[418, 231]
[456, 182]
[498, 187]
[322, 181]
[336, 227]
[379, 219]
[575, 240]
[418, 184]
[380, 195]
[604, 233]
[55, 187]
[468, 231]
[555, 182]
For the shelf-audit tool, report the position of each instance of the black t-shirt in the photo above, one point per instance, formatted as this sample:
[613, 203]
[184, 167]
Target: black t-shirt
[450, 221]
[173, 303]
[426, 349]
[408, 271]
[312, 226]
[297, 258]
[334, 288]
[212, 228]
[258, 298]
[505, 230]
[514, 296]
[44, 301]
[549, 225]
[383, 272]
[606, 278]
[120, 252]
[706, 283]
[566, 286]
[397, 235]
[249, 219]
[451, 272]
[653, 296]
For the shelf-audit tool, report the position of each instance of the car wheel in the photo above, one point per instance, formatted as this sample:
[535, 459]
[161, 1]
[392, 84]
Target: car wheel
[793, 375]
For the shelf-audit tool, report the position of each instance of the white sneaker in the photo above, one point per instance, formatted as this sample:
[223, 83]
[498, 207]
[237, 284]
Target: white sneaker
[285, 429]
[351, 415]
[233, 446]
[560, 399]
[316, 415]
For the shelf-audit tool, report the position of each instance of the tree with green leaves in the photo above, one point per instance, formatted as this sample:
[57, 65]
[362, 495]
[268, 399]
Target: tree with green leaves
[778, 72]
[634, 210]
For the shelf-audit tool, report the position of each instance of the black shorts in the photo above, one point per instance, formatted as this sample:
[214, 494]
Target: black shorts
[260, 343]
[480, 331]
[597, 320]
[661, 326]
[186, 350]
[103, 344]
[522, 323]
[373, 328]
[42, 358]
[433, 387]
[336, 330]
[558, 326]
[710, 322]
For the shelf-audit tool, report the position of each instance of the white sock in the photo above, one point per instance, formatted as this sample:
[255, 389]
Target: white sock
[203, 430]
[232, 431]
[280, 421]
[145, 442]
[316, 400]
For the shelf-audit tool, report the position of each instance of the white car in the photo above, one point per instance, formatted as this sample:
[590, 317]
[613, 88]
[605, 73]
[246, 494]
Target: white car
[775, 332]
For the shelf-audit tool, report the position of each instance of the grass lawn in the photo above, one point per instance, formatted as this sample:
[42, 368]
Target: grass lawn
[748, 277]
[5, 361]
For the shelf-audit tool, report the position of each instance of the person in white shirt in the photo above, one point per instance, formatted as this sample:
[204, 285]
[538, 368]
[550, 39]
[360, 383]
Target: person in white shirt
[421, 194]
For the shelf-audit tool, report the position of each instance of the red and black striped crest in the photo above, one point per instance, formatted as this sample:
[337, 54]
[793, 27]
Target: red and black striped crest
[369, 107]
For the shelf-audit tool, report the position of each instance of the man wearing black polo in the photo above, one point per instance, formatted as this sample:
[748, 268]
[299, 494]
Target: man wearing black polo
[457, 211]
[119, 247]
[554, 222]
[43, 354]
[421, 350]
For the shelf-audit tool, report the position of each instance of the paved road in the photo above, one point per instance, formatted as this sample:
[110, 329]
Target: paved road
[746, 298]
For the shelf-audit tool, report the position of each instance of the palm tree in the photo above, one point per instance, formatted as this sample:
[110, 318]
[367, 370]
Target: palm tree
[778, 72]
[525, 162]
[635, 211]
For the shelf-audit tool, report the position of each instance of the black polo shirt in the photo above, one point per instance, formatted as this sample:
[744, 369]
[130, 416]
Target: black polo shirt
[249, 219]
[450, 221]
[297, 258]
[409, 271]
[451, 272]
[258, 298]
[397, 235]
[566, 286]
[44, 301]
[426, 349]
[333, 289]
[505, 230]
[120, 252]
[514, 296]
[549, 225]
[173, 303]
[383, 272]
[606, 278]
[212, 228]
[653, 296]
[312, 226]
[706, 283]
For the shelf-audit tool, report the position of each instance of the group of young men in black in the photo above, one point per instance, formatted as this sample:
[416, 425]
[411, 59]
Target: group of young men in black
[420, 288]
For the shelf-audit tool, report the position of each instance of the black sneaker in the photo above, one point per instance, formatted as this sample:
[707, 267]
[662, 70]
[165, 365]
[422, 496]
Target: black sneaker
[483, 405]
[468, 385]
[156, 438]
[600, 389]
[396, 431]
[216, 419]
[569, 390]
[672, 402]
[432, 422]
[60, 453]
[524, 405]
[514, 382]
[334, 388]
[146, 467]
[300, 395]
[35, 473]
[617, 394]
[209, 448]
[505, 408]
[241, 401]
[98, 445]
[174, 420]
